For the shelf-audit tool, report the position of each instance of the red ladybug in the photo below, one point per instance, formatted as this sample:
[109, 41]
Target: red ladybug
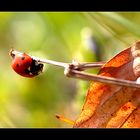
[24, 65]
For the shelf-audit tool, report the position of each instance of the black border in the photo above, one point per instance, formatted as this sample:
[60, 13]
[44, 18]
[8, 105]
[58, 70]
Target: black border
[72, 134]
[70, 5]
[77, 5]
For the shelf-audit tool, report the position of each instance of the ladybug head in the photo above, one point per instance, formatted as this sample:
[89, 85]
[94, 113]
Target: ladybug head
[12, 54]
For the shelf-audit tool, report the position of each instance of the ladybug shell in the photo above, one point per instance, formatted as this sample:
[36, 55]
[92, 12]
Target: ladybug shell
[21, 63]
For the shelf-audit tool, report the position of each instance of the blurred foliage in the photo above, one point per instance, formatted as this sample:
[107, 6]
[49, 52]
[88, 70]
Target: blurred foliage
[61, 36]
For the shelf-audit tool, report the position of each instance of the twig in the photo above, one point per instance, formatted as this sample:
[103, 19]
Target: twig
[66, 120]
[75, 69]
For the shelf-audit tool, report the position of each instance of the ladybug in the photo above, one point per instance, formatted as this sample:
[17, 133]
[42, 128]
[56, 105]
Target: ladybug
[24, 65]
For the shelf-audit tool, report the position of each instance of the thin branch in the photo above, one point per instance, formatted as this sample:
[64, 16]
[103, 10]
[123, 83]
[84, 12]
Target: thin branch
[66, 120]
[103, 79]
[76, 65]
[75, 69]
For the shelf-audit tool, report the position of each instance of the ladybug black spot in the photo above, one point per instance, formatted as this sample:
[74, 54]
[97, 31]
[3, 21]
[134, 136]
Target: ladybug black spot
[22, 58]
[17, 65]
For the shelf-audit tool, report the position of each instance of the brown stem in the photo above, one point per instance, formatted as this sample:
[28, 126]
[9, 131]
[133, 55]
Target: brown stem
[74, 70]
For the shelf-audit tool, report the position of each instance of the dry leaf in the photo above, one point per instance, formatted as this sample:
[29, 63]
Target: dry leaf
[112, 106]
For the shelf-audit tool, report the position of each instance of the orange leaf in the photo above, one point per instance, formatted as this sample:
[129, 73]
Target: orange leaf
[111, 105]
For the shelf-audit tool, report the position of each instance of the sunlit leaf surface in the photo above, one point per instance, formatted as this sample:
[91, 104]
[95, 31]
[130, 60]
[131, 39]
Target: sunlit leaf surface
[111, 105]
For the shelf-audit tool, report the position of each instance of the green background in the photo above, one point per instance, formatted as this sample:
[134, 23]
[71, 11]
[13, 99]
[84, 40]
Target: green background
[60, 36]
